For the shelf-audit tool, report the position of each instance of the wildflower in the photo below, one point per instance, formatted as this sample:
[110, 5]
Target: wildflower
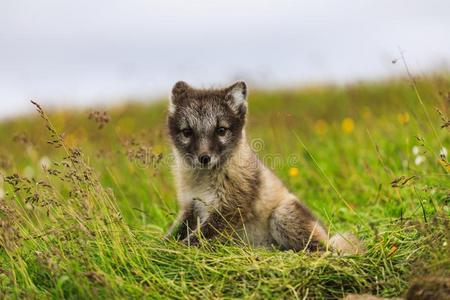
[70, 140]
[444, 244]
[415, 150]
[419, 160]
[403, 118]
[348, 125]
[45, 163]
[293, 172]
[443, 152]
[320, 126]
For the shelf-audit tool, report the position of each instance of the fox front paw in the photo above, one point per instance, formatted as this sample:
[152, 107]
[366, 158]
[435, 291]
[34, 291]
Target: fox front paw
[191, 241]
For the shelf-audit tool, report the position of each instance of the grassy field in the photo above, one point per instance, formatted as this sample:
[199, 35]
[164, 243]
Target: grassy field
[85, 197]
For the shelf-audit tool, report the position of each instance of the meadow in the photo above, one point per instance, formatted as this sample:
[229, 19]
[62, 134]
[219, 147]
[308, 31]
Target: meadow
[86, 196]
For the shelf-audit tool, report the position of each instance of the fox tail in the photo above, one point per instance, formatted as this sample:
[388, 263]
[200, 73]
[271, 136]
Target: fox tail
[346, 243]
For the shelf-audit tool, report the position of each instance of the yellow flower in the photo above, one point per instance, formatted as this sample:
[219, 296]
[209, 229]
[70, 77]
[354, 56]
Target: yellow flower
[293, 172]
[321, 127]
[348, 125]
[403, 118]
[70, 140]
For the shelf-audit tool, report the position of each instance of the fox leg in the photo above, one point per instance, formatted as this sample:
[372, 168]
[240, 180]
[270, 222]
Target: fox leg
[219, 224]
[183, 225]
[294, 227]
[210, 228]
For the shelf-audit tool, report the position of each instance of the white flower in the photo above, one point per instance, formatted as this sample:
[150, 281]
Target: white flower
[2, 193]
[444, 244]
[415, 150]
[45, 163]
[443, 152]
[419, 160]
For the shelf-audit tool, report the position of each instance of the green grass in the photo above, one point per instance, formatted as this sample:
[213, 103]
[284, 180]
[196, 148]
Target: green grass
[91, 226]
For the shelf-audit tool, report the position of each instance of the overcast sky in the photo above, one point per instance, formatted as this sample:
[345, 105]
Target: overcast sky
[84, 52]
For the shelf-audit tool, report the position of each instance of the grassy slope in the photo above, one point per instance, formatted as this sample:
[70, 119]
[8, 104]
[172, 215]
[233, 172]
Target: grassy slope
[92, 225]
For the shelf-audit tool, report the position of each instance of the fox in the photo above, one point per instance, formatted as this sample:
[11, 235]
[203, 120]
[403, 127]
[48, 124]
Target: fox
[223, 188]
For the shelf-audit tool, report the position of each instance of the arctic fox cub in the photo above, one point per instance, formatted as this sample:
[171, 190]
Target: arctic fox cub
[223, 188]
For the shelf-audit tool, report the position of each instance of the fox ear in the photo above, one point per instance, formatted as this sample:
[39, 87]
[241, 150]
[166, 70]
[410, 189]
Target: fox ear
[237, 94]
[178, 92]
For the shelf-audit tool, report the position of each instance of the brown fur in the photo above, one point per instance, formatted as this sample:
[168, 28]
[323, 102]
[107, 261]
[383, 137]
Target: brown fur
[236, 194]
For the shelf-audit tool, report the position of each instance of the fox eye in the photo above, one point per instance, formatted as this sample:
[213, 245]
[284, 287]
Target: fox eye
[221, 131]
[187, 132]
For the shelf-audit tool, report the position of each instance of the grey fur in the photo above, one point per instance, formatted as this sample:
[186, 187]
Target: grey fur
[290, 227]
[235, 194]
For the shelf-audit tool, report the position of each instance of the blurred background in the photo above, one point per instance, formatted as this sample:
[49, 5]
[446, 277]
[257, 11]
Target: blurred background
[70, 53]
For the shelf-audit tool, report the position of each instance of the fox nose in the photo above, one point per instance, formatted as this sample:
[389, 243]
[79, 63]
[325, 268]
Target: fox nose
[204, 159]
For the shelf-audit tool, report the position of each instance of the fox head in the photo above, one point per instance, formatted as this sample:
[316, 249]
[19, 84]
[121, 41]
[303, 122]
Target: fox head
[206, 126]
